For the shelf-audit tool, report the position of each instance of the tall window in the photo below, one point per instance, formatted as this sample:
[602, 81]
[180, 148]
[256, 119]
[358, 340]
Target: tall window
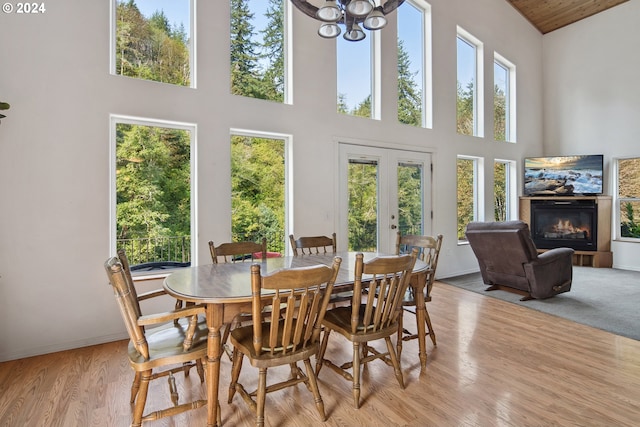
[258, 203]
[152, 176]
[154, 41]
[504, 117]
[258, 49]
[628, 203]
[470, 116]
[504, 191]
[468, 192]
[355, 76]
[414, 63]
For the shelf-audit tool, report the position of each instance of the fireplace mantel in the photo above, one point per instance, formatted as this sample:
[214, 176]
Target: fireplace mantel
[602, 256]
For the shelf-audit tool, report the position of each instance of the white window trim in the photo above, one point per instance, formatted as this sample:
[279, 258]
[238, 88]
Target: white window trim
[427, 61]
[617, 202]
[114, 120]
[478, 87]
[192, 41]
[512, 195]
[511, 134]
[478, 189]
[288, 173]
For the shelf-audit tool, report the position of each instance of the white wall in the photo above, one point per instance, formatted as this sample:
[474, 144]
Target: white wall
[592, 96]
[54, 147]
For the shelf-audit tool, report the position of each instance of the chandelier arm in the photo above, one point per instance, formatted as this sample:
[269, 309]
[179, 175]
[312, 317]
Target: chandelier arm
[390, 6]
[305, 7]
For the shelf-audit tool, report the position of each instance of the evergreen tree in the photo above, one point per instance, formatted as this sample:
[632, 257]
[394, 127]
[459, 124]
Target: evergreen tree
[244, 59]
[273, 51]
[499, 114]
[465, 195]
[409, 96]
[363, 109]
[465, 109]
[149, 48]
[500, 191]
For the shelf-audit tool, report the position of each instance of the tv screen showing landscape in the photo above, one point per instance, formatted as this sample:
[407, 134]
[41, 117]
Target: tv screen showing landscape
[563, 175]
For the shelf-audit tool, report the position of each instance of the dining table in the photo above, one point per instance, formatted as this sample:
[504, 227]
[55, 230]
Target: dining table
[225, 291]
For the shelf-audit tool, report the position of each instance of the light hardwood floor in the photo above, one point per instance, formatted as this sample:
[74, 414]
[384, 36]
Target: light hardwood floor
[496, 364]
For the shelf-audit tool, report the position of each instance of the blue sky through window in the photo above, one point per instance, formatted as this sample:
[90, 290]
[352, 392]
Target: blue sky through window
[176, 11]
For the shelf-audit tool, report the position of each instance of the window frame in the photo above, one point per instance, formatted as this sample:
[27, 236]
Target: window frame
[426, 87]
[375, 73]
[113, 6]
[478, 189]
[511, 117]
[478, 87]
[511, 196]
[288, 174]
[116, 119]
[618, 202]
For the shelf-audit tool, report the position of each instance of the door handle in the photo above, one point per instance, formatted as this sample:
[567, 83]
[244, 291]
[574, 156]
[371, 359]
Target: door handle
[393, 226]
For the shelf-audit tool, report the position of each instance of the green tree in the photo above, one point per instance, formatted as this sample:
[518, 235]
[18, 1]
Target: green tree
[273, 51]
[500, 191]
[499, 114]
[410, 205]
[342, 104]
[149, 48]
[409, 96]
[153, 184]
[465, 110]
[465, 195]
[245, 78]
[363, 206]
[258, 190]
[363, 109]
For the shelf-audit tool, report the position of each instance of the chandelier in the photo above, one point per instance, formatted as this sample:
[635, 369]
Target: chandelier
[352, 14]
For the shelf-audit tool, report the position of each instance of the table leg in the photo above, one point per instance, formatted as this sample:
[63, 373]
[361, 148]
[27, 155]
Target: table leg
[418, 287]
[214, 351]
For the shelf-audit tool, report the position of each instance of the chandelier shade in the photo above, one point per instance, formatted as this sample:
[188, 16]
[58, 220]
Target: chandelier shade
[350, 14]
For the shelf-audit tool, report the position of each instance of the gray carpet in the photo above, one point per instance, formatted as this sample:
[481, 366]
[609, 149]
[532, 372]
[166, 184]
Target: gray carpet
[605, 298]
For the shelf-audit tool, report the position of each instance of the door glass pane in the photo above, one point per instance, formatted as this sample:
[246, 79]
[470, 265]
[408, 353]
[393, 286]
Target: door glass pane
[363, 205]
[410, 205]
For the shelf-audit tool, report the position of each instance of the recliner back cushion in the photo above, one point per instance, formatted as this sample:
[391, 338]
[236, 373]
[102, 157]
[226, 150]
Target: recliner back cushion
[502, 247]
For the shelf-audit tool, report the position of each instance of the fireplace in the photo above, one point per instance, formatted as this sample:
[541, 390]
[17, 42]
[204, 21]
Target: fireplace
[564, 223]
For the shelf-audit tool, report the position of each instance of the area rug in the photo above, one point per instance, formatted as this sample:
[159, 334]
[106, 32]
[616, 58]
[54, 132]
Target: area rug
[604, 298]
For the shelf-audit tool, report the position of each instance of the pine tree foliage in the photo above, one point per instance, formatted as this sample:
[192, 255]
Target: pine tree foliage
[465, 109]
[409, 94]
[149, 48]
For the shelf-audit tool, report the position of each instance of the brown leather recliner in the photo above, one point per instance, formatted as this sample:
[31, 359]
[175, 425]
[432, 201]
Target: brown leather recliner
[508, 258]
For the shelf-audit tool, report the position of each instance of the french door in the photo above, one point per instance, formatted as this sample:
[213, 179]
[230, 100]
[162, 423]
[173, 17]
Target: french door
[382, 191]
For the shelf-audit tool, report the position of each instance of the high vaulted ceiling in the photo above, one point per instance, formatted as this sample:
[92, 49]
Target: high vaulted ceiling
[549, 15]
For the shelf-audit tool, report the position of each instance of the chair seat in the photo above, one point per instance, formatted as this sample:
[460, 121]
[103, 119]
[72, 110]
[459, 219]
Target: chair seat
[167, 342]
[242, 339]
[339, 320]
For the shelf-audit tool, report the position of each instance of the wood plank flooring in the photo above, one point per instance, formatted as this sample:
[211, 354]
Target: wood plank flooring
[496, 364]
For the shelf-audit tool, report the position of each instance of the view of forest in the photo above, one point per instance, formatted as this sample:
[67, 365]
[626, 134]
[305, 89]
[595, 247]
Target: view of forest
[153, 176]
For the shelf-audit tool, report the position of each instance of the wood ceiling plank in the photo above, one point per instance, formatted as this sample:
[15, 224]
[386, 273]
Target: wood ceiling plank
[549, 15]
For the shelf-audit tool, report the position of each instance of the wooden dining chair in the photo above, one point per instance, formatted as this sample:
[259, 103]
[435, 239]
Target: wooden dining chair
[124, 260]
[373, 315]
[429, 248]
[237, 252]
[297, 298]
[183, 343]
[313, 244]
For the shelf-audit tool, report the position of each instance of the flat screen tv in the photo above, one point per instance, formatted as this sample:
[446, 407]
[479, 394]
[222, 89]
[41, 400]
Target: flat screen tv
[563, 175]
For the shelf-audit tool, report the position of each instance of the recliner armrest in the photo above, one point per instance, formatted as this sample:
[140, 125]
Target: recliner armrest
[552, 254]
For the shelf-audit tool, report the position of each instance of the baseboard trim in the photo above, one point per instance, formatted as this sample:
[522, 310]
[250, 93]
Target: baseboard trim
[54, 348]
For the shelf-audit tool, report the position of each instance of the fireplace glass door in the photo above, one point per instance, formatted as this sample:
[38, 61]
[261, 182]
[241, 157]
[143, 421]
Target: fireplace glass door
[571, 224]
